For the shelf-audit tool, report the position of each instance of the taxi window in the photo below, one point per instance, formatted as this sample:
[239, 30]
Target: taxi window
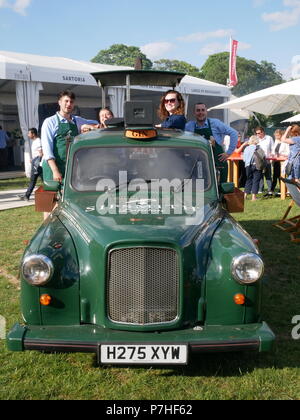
[92, 165]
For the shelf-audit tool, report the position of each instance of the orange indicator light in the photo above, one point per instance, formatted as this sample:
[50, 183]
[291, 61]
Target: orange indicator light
[45, 300]
[239, 299]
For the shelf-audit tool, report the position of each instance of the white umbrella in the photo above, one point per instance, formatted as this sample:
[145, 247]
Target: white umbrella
[294, 119]
[274, 100]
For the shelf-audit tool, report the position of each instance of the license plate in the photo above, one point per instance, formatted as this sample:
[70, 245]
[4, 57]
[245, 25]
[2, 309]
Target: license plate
[144, 354]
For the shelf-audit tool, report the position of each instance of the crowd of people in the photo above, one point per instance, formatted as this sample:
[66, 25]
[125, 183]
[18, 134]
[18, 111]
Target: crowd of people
[58, 130]
[276, 155]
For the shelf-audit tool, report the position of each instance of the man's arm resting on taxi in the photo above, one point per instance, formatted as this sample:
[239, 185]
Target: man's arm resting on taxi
[89, 127]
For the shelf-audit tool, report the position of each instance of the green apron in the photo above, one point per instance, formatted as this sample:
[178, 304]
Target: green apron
[217, 149]
[66, 132]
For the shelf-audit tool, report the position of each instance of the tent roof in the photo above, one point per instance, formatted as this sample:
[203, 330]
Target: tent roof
[294, 119]
[196, 86]
[51, 69]
[37, 68]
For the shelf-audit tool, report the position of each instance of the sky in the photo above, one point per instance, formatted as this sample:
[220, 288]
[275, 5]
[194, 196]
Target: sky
[187, 30]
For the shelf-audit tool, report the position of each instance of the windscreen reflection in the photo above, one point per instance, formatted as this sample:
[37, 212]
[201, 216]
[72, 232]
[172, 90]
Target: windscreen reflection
[92, 165]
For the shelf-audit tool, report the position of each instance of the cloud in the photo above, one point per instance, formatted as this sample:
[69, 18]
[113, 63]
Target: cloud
[213, 48]
[202, 36]
[284, 19]
[217, 47]
[156, 50]
[18, 6]
[259, 3]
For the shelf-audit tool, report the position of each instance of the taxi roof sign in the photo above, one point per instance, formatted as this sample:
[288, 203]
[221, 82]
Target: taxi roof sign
[140, 133]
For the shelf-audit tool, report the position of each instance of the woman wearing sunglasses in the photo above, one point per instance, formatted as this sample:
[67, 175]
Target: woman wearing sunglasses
[171, 110]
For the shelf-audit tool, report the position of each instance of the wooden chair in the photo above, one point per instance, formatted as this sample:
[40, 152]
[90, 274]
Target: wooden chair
[291, 225]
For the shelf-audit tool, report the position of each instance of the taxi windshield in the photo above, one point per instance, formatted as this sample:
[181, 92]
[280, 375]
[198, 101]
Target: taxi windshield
[94, 164]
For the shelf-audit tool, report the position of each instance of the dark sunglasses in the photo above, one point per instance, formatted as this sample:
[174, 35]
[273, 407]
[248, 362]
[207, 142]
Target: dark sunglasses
[172, 101]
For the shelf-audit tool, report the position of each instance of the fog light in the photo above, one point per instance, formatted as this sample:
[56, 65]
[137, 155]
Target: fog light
[239, 299]
[45, 300]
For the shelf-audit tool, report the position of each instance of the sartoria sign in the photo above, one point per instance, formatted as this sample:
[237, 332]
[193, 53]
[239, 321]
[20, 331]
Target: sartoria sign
[76, 79]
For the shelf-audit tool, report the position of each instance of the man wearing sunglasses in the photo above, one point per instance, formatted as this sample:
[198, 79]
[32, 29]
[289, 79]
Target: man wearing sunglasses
[212, 127]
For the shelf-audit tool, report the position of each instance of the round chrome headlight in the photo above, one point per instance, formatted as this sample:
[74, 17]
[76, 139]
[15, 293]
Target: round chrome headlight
[247, 268]
[37, 270]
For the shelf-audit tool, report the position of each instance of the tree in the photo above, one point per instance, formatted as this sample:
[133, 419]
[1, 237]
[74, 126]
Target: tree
[122, 55]
[176, 65]
[252, 75]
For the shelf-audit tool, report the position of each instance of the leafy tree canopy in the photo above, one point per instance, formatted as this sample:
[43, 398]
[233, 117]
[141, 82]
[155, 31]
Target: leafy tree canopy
[122, 55]
[252, 75]
[176, 65]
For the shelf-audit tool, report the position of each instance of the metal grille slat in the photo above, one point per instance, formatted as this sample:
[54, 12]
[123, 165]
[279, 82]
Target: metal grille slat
[143, 285]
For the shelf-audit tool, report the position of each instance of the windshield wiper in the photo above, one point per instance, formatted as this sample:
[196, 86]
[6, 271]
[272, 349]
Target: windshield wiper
[190, 176]
[117, 187]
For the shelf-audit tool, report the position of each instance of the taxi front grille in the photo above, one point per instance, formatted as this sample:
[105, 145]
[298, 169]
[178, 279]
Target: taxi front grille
[143, 285]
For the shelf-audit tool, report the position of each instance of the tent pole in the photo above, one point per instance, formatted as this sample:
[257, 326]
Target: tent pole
[103, 97]
[128, 87]
[103, 94]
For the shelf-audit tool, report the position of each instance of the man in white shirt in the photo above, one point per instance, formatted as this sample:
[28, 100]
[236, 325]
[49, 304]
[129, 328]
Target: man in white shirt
[266, 144]
[36, 169]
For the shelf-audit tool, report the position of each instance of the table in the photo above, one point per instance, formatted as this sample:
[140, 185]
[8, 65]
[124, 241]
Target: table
[233, 168]
[233, 171]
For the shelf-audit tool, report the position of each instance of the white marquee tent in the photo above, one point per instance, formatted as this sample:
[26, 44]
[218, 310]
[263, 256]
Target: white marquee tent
[27, 81]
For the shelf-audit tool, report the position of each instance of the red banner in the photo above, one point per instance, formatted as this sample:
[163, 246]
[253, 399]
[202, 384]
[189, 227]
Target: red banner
[233, 79]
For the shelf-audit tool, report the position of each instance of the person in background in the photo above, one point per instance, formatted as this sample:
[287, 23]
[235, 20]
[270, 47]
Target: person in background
[3, 148]
[253, 174]
[239, 149]
[292, 137]
[36, 169]
[171, 110]
[105, 114]
[216, 130]
[266, 144]
[279, 150]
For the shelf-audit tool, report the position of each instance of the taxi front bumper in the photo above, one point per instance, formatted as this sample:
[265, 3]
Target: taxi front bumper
[88, 338]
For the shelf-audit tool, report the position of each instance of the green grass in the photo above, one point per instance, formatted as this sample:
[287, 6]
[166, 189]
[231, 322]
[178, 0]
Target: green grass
[13, 184]
[276, 375]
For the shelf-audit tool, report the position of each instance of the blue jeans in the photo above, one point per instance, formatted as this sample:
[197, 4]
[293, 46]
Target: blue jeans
[254, 178]
[33, 179]
[268, 176]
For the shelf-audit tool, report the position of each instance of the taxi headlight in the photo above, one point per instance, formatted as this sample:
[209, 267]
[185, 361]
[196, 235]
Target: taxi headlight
[247, 268]
[37, 270]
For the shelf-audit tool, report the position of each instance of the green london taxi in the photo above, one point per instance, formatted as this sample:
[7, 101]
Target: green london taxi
[140, 262]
